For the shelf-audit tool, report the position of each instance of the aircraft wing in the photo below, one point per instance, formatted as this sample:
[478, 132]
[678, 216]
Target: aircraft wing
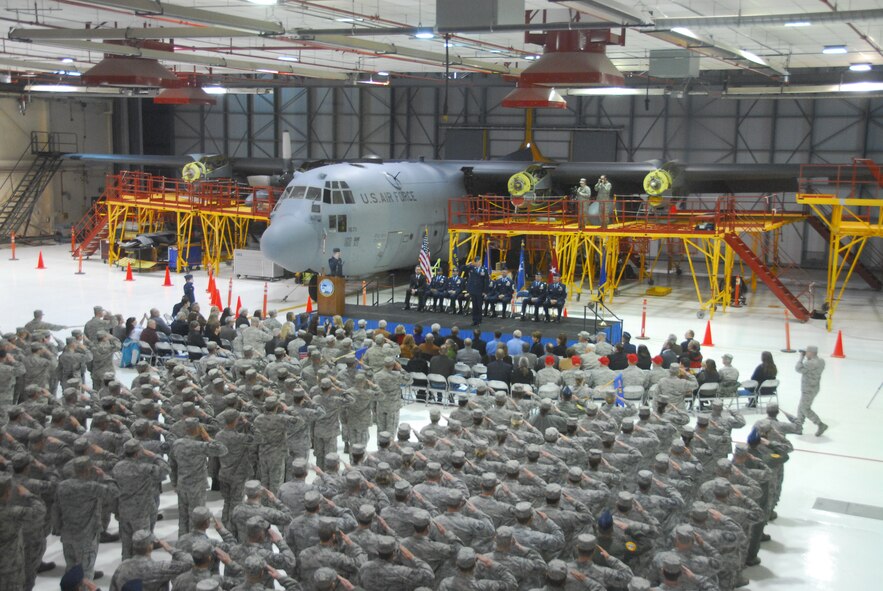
[136, 159]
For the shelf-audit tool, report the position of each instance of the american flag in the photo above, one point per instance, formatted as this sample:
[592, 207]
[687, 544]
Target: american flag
[423, 258]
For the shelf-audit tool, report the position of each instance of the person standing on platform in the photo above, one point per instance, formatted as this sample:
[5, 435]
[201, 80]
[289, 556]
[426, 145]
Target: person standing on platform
[189, 289]
[476, 285]
[603, 188]
[583, 198]
[335, 264]
[810, 367]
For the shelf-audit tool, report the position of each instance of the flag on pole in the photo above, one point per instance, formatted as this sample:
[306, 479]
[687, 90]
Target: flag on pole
[519, 281]
[619, 389]
[553, 269]
[487, 257]
[423, 257]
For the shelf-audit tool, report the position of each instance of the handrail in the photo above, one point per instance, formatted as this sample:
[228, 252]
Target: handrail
[593, 306]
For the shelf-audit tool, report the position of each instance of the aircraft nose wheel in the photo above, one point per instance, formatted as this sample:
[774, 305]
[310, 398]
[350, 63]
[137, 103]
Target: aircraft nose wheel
[700, 314]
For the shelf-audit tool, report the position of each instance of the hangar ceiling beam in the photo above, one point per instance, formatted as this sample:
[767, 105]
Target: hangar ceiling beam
[126, 33]
[754, 20]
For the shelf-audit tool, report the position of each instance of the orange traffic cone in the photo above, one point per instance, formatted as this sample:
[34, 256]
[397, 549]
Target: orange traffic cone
[309, 305]
[210, 288]
[40, 264]
[838, 347]
[238, 305]
[706, 342]
[168, 280]
[129, 272]
[565, 312]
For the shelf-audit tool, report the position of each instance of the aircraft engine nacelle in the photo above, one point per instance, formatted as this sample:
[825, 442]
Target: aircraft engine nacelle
[656, 184]
[205, 167]
[523, 186]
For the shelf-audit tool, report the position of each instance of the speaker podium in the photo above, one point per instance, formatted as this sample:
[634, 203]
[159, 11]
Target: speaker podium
[331, 292]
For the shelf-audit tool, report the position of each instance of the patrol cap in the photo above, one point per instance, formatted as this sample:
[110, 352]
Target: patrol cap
[501, 429]
[256, 524]
[546, 404]
[586, 542]
[81, 444]
[80, 463]
[513, 467]
[688, 430]
[684, 533]
[384, 437]
[254, 565]
[358, 449]
[311, 499]
[699, 511]
[271, 403]
[332, 459]
[557, 570]
[551, 434]
[188, 407]
[628, 424]
[639, 584]
[553, 491]
[402, 488]
[72, 579]
[434, 413]
[595, 453]
[740, 450]
[523, 510]
[721, 486]
[420, 519]
[404, 429]
[661, 460]
[505, 533]
[324, 578]
[208, 585]
[191, 423]
[575, 474]
[253, 488]
[200, 515]
[366, 513]
[433, 469]
[671, 564]
[624, 499]
[325, 383]
[35, 435]
[465, 558]
[489, 480]
[703, 419]
[298, 393]
[353, 478]
[201, 551]
[132, 446]
[533, 451]
[386, 544]
[591, 409]
[678, 446]
[228, 415]
[608, 436]
[724, 466]
[454, 498]
[457, 458]
[142, 537]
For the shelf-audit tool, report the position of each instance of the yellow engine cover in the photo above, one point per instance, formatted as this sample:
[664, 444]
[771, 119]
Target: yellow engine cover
[193, 171]
[521, 183]
[657, 182]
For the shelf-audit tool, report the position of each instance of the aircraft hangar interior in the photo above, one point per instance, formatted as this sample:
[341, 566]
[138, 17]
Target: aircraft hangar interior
[223, 221]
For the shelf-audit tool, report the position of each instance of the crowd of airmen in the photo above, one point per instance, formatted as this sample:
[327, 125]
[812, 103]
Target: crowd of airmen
[510, 491]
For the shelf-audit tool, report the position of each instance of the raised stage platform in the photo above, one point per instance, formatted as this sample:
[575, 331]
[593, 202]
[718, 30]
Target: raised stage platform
[393, 314]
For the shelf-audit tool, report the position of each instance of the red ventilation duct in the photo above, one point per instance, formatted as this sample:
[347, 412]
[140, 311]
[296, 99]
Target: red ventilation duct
[185, 95]
[534, 97]
[574, 58]
[128, 71]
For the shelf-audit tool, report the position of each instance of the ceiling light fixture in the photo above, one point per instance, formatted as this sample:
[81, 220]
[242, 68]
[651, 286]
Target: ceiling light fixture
[862, 87]
[263, 2]
[288, 58]
[834, 49]
[349, 19]
[383, 73]
[752, 57]
[532, 57]
[67, 60]
[860, 67]
[54, 88]
[266, 71]
[424, 33]
[798, 24]
[214, 89]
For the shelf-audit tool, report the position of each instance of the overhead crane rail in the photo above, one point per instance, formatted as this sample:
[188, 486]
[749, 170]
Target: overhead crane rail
[596, 250]
[220, 211]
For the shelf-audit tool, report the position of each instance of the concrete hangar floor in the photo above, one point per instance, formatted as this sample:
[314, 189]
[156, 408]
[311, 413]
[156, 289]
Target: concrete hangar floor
[830, 524]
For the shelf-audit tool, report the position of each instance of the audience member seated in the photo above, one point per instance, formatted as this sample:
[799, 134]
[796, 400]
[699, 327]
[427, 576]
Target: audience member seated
[442, 364]
[468, 355]
[499, 369]
[645, 361]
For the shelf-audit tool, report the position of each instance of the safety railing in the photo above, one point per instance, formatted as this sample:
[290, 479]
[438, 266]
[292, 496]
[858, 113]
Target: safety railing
[53, 142]
[222, 196]
[861, 178]
[623, 213]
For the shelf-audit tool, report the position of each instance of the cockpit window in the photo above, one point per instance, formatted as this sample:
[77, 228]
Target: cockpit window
[338, 193]
[314, 193]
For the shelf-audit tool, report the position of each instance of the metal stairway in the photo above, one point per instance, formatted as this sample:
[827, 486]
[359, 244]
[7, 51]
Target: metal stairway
[48, 150]
[863, 271]
[87, 234]
[794, 305]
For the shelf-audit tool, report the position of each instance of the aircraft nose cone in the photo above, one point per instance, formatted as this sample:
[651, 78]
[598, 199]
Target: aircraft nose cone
[290, 242]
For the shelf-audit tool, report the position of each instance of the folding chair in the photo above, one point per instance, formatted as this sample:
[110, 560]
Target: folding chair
[457, 385]
[768, 392]
[194, 353]
[704, 393]
[463, 370]
[479, 370]
[498, 386]
[419, 384]
[749, 390]
[163, 352]
[146, 351]
[437, 386]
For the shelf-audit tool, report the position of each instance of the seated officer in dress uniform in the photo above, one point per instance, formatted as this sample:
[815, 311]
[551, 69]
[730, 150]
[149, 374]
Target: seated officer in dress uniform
[500, 293]
[437, 290]
[536, 297]
[455, 293]
[417, 286]
[556, 295]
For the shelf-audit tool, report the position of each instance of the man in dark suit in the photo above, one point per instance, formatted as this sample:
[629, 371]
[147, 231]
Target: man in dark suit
[335, 264]
[499, 369]
[441, 363]
[476, 286]
[417, 286]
